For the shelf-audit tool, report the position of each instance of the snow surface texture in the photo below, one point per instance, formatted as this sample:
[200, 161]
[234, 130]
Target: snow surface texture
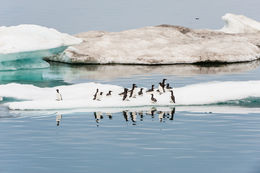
[166, 44]
[24, 38]
[80, 96]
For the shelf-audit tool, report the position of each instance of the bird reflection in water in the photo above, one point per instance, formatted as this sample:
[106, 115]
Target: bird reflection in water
[58, 119]
[134, 116]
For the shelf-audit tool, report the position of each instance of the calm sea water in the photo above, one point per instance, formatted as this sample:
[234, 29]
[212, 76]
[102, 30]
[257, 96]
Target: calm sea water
[178, 141]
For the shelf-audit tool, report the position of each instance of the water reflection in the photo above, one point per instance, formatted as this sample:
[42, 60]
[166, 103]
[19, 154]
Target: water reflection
[130, 116]
[70, 73]
[58, 119]
[135, 116]
[108, 72]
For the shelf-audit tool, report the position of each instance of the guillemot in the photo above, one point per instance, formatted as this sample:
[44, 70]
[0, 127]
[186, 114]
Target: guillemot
[163, 82]
[132, 91]
[172, 97]
[95, 95]
[161, 88]
[151, 90]
[99, 96]
[58, 95]
[109, 93]
[125, 94]
[168, 87]
[140, 93]
[153, 99]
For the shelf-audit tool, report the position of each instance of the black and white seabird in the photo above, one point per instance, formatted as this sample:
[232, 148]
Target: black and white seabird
[161, 88]
[125, 94]
[99, 96]
[133, 91]
[153, 99]
[163, 82]
[58, 95]
[109, 93]
[151, 90]
[140, 93]
[172, 97]
[95, 95]
[168, 86]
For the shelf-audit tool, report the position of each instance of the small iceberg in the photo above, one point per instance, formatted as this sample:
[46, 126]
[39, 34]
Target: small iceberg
[80, 96]
[167, 44]
[24, 46]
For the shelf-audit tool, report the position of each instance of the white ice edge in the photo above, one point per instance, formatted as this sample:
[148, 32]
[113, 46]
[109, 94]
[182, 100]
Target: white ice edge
[25, 38]
[80, 96]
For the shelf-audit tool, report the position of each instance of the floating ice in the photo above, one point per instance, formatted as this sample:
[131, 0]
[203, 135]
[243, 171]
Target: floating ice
[239, 24]
[25, 38]
[24, 46]
[166, 44]
[81, 95]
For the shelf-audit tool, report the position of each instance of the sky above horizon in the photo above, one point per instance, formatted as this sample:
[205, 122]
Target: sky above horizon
[117, 15]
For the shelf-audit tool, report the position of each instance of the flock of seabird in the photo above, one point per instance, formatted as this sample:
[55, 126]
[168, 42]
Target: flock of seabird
[128, 94]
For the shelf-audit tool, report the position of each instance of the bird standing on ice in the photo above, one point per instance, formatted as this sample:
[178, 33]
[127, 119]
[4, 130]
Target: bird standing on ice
[133, 91]
[99, 96]
[140, 93]
[125, 94]
[172, 97]
[168, 87]
[58, 95]
[109, 93]
[95, 95]
[161, 88]
[151, 90]
[153, 99]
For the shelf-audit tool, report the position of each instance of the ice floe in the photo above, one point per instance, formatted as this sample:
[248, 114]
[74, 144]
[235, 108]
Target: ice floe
[239, 24]
[80, 96]
[24, 46]
[24, 38]
[167, 44]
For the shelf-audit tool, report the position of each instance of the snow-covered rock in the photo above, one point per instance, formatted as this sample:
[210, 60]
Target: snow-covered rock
[166, 44]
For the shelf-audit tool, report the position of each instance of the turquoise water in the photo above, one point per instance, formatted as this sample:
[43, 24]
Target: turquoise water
[214, 139]
[27, 60]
